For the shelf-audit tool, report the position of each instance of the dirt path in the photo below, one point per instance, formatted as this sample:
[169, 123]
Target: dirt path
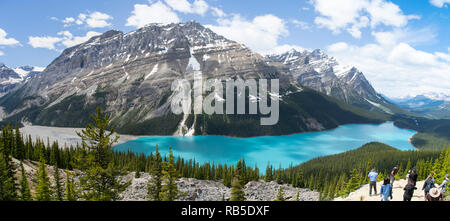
[362, 194]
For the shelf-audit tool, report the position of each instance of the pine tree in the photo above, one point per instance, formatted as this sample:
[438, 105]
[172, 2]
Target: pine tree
[58, 185]
[70, 188]
[280, 195]
[8, 187]
[154, 185]
[268, 177]
[25, 194]
[20, 146]
[101, 182]
[237, 192]
[169, 190]
[354, 182]
[43, 191]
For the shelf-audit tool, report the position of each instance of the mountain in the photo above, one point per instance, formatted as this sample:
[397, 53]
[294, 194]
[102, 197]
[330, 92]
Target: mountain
[10, 78]
[431, 105]
[130, 77]
[316, 70]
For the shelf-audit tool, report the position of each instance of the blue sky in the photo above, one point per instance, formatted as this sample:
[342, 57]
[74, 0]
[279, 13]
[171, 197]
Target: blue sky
[402, 46]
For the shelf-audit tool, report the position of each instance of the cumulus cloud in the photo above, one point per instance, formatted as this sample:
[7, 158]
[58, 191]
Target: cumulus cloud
[218, 12]
[92, 20]
[260, 34]
[98, 20]
[354, 15]
[154, 13]
[69, 40]
[65, 40]
[7, 41]
[395, 67]
[197, 7]
[44, 42]
[439, 3]
[300, 24]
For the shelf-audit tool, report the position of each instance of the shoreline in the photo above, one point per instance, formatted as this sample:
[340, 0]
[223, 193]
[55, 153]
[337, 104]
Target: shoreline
[67, 135]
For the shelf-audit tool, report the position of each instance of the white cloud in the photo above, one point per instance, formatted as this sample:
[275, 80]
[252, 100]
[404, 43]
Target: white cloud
[197, 7]
[44, 42]
[98, 20]
[354, 15]
[439, 3]
[218, 12]
[300, 24]
[65, 40]
[92, 20]
[7, 41]
[1, 53]
[70, 41]
[260, 34]
[68, 20]
[395, 68]
[154, 13]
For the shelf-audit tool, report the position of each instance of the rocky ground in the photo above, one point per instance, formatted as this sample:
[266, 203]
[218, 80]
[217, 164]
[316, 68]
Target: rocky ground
[203, 190]
[191, 189]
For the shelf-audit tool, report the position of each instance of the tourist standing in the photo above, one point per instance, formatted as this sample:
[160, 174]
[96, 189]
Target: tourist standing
[413, 176]
[428, 185]
[373, 181]
[392, 175]
[386, 190]
[409, 191]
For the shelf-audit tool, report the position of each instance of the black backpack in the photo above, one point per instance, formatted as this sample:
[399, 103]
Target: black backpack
[428, 185]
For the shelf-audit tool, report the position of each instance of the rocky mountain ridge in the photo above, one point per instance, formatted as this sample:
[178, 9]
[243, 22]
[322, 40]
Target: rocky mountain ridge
[130, 77]
[10, 78]
[316, 70]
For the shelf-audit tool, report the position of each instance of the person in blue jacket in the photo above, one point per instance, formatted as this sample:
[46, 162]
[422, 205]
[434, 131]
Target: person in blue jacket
[386, 190]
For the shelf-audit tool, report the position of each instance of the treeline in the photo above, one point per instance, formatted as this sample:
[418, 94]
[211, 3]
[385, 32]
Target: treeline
[94, 170]
[98, 164]
[338, 175]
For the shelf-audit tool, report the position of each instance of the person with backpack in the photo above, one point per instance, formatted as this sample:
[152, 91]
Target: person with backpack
[392, 175]
[373, 181]
[409, 191]
[434, 195]
[413, 176]
[428, 185]
[386, 190]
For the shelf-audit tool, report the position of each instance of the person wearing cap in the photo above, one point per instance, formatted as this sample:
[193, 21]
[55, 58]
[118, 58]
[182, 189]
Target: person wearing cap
[373, 181]
[444, 183]
[434, 195]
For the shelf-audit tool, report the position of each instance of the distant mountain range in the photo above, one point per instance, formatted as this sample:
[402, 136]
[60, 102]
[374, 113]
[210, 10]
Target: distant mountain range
[130, 76]
[10, 78]
[316, 70]
[432, 105]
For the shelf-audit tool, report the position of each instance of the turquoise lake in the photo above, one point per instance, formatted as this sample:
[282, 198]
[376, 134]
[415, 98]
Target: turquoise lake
[295, 149]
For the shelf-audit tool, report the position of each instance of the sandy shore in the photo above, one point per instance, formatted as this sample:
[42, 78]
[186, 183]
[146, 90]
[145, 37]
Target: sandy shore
[66, 136]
